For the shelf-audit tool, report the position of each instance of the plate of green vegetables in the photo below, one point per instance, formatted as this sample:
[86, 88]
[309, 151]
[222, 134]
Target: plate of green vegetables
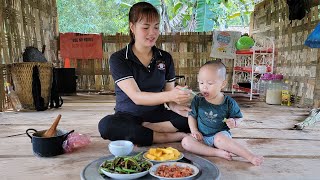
[126, 167]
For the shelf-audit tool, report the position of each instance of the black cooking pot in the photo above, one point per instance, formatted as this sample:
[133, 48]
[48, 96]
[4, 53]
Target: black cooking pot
[47, 147]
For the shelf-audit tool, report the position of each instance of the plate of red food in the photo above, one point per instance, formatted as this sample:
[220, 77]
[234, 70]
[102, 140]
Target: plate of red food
[174, 171]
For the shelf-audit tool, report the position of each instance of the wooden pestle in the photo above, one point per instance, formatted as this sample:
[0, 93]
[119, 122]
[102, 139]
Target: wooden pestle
[53, 129]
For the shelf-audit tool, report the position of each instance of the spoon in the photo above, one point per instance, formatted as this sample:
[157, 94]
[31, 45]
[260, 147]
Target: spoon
[192, 92]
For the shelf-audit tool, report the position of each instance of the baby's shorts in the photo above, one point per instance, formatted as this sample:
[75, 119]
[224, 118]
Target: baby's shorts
[208, 140]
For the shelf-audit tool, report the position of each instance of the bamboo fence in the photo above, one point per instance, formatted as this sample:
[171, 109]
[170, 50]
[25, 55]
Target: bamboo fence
[189, 52]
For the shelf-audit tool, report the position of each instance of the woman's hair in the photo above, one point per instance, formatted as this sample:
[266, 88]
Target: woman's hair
[142, 10]
[219, 66]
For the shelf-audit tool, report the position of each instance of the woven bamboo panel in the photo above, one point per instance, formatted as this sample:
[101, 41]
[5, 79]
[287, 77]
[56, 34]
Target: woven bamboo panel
[298, 63]
[27, 23]
[189, 52]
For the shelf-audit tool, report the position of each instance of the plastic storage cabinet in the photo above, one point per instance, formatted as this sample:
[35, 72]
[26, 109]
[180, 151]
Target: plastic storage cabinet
[250, 65]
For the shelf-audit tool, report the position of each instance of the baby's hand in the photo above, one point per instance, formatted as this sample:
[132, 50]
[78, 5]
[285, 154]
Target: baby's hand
[197, 135]
[231, 123]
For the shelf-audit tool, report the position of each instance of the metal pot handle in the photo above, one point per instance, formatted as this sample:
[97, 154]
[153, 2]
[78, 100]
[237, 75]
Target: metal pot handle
[66, 135]
[30, 129]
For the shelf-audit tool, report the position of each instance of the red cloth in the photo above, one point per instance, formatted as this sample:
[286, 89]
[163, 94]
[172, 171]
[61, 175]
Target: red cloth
[81, 46]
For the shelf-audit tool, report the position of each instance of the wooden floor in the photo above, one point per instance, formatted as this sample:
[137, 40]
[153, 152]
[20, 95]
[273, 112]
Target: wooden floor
[289, 154]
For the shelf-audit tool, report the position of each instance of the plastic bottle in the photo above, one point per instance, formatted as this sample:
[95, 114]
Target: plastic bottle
[273, 95]
[263, 82]
[14, 99]
[285, 94]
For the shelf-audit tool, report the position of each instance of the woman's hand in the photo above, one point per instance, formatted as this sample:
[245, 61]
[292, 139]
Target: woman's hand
[197, 135]
[182, 110]
[179, 95]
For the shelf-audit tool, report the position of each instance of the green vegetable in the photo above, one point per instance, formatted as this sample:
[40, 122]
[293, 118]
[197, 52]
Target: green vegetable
[129, 170]
[126, 165]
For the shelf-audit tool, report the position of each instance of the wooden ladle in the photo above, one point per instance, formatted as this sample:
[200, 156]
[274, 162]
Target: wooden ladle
[53, 129]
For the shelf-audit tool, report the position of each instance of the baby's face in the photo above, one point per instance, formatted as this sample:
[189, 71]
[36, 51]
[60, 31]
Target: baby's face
[210, 83]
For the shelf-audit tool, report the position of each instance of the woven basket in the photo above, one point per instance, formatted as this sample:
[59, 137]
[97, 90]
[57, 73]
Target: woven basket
[22, 80]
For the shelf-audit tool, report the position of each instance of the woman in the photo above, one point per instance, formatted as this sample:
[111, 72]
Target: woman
[144, 81]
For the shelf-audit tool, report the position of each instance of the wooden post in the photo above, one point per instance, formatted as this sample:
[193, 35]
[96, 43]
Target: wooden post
[2, 95]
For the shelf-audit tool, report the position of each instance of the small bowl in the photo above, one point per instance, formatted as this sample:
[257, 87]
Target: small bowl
[120, 147]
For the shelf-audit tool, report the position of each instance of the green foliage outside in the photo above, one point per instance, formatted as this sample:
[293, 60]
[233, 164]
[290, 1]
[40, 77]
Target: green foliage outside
[111, 16]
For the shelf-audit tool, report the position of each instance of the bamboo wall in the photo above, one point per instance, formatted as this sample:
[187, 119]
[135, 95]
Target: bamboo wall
[27, 23]
[189, 52]
[298, 63]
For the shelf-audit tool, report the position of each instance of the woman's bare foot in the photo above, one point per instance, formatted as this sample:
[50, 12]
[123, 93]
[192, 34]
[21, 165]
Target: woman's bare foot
[256, 160]
[223, 154]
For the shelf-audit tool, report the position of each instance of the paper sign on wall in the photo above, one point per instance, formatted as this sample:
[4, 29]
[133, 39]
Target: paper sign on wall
[223, 44]
[81, 46]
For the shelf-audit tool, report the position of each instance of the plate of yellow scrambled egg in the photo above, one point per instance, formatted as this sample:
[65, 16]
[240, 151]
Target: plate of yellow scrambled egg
[168, 154]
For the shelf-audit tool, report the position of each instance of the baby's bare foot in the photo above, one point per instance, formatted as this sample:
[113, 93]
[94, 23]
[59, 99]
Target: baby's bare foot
[257, 160]
[224, 154]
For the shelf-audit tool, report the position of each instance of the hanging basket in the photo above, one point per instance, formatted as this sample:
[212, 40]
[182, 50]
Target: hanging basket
[22, 80]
